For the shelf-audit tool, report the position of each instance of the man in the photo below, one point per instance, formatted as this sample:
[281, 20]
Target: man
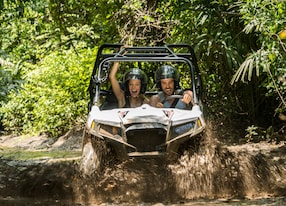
[167, 80]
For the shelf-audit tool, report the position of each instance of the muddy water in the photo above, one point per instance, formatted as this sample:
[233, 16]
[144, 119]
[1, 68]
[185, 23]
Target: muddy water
[231, 172]
[214, 174]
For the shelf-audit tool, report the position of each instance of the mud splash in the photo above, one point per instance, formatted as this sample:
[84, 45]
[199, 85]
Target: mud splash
[206, 175]
[213, 171]
[248, 171]
[134, 181]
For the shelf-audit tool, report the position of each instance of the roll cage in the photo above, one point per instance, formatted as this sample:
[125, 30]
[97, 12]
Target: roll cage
[109, 53]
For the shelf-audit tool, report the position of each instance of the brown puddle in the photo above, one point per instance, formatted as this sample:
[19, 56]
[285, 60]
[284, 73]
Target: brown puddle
[251, 174]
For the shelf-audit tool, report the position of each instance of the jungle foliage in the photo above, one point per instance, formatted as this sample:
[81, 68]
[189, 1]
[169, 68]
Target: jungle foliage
[48, 50]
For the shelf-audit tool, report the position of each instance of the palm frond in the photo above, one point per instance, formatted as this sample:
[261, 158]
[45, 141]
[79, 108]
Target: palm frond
[247, 65]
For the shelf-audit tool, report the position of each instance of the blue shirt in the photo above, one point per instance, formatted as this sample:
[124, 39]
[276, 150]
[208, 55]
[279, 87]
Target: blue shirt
[179, 105]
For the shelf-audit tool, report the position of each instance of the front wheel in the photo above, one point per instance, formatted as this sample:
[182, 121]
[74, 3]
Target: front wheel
[94, 152]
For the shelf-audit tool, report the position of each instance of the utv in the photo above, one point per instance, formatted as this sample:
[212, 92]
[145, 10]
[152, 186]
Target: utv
[143, 131]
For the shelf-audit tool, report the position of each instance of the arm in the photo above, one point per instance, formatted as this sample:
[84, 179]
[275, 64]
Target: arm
[187, 97]
[119, 94]
[186, 101]
[155, 101]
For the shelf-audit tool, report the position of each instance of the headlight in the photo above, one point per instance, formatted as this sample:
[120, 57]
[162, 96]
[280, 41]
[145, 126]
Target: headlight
[105, 130]
[183, 128]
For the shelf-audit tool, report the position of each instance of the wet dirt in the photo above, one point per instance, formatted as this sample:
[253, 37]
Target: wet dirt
[216, 174]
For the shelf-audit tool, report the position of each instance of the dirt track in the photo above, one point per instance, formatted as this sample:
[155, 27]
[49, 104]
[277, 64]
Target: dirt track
[242, 171]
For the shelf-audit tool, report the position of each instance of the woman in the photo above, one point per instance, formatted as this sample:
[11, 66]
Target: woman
[135, 82]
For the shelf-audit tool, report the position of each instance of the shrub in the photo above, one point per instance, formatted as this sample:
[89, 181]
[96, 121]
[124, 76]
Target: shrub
[54, 96]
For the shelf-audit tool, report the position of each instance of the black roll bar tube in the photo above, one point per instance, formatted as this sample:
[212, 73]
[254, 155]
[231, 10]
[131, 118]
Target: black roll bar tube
[107, 61]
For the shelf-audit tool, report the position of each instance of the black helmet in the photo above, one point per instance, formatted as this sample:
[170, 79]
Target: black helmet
[167, 71]
[135, 73]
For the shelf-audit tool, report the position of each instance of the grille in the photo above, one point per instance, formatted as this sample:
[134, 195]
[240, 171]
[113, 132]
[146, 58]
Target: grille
[147, 140]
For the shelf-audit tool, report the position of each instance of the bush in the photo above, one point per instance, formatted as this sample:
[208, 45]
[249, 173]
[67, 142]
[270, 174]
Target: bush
[54, 96]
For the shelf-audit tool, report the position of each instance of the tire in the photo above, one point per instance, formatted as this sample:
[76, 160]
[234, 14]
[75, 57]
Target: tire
[93, 157]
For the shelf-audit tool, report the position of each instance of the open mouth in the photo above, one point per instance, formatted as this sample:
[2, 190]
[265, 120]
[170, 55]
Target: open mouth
[168, 91]
[134, 93]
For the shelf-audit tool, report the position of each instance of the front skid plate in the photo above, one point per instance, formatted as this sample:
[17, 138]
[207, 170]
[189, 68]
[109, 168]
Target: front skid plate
[142, 143]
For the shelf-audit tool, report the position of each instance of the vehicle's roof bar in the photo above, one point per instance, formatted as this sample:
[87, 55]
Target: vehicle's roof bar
[170, 50]
[118, 52]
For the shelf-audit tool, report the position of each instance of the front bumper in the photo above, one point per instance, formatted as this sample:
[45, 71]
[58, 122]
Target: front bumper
[145, 131]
